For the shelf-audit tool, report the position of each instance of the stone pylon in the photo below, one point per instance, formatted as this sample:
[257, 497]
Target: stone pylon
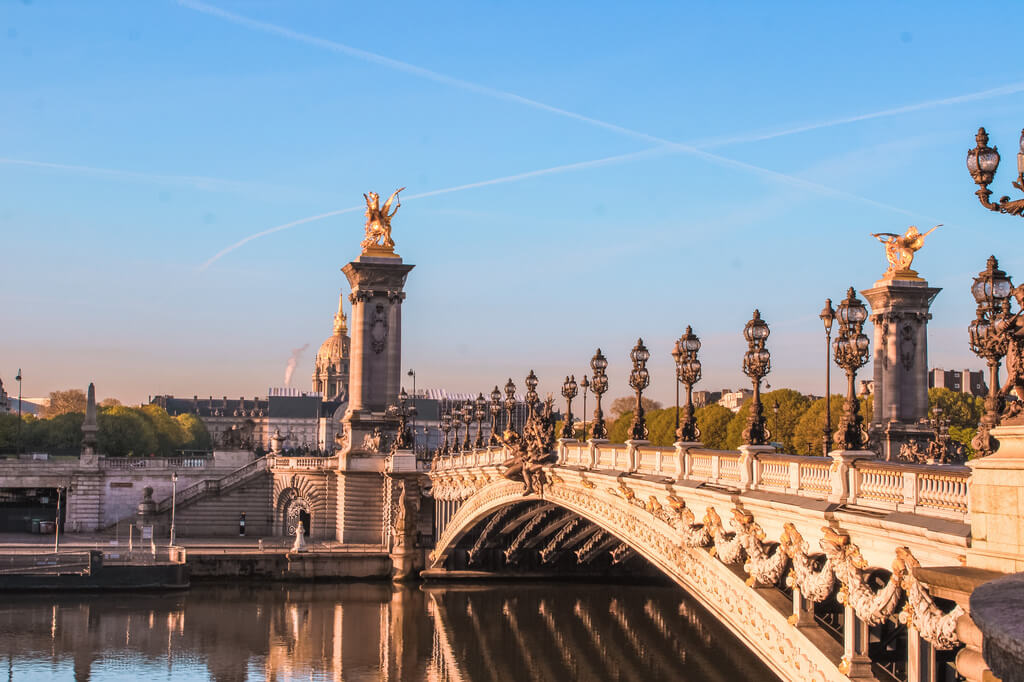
[377, 278]
[899, 311]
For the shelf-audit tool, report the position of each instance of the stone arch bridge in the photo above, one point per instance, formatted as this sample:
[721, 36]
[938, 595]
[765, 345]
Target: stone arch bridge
[816, 563]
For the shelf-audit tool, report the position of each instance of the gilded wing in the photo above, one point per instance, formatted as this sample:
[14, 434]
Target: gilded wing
[387, 204]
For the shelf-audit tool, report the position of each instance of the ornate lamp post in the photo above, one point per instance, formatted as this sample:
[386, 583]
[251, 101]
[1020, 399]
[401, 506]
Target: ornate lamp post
[599, 384]
[688, 373]
[481, 412]
[851, 353]
[569, 390]
[510, 404]
[446, 426]
[467, 419]
[457, 424]
[982, 162]
[404, 434]
[531, 394]
[585, 385]
[827, 316]
[756, 365]
[639, 379]
[988, 340]
[495, 411]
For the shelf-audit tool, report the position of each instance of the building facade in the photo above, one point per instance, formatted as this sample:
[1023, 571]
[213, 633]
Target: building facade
[960, 380]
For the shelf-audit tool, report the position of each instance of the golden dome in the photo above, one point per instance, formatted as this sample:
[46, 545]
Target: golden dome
[336, 347]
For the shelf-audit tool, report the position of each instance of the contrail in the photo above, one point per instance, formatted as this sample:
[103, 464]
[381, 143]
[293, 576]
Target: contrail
[929, 104]
[507, 96]
[496, 181]
[197, 181]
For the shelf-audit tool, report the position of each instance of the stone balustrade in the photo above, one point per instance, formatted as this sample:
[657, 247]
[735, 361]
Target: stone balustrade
[304, 463]
[144, 463]
[927, 490]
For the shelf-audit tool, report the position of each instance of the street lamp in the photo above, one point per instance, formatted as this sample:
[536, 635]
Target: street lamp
[851, 353]
[827, 316]
[531, 393]
[688, 370]
[446, 426]
[457, 424]
[585, 385]
[982, 162]
[569, 390]
[599, 384]
[412, 373]
[495, 411]
[481, 412]
[17, 448]
[405, 439]
[510, 403]
[639, 379]
[756, 365]
[988, 340]
[174, 499]
[467, 419]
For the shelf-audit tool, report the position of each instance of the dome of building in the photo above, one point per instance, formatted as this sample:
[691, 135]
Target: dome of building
[330, 373]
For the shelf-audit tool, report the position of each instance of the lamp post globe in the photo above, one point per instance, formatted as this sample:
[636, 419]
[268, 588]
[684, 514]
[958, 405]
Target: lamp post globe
[850, 350]
[639, 379]
[510, 404]
[569, 390]
[599, 384]
[756, 365]
[688, 372]
[988, 339]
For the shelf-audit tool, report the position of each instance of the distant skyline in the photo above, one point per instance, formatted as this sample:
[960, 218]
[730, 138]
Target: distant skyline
[181, 181]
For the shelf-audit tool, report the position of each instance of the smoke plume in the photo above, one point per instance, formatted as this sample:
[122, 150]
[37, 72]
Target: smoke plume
[292, 361]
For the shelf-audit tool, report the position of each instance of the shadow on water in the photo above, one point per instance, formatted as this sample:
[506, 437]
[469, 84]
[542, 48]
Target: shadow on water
[373, 631]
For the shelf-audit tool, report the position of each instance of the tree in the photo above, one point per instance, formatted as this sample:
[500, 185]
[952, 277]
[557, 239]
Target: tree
[792, 406]
[170, 434]
[621, 406]
[198, 435]
[124, 432]
[109, 402]
[809, 432]
[63, 402]
[713, 422]
[963, 410]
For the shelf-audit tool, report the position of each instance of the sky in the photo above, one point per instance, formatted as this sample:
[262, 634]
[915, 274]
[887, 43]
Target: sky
[579, 175]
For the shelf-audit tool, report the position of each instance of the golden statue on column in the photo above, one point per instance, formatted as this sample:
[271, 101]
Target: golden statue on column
[378, 241]
[900, 249]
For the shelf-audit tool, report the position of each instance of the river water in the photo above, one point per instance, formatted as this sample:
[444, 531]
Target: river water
[372, 631]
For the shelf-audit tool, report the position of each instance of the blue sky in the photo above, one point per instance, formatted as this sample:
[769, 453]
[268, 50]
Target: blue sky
[139, 140]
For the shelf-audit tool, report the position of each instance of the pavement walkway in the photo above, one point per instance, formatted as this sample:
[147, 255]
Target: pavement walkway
[21, 543]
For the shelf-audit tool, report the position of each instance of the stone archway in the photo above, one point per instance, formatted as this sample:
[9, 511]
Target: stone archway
[292, 509]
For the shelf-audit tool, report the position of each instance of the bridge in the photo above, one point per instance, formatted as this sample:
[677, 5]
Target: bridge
[830, 568]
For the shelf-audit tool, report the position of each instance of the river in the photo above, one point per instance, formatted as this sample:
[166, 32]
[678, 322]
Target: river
[372, 631]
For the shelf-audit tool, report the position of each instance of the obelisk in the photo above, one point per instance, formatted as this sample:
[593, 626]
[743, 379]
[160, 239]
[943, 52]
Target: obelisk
[899, 311]
[377, 278]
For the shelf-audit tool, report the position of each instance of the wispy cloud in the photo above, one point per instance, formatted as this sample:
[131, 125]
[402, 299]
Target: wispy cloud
[595, 163]
[195, 181]
[895, 111]
[445, 79]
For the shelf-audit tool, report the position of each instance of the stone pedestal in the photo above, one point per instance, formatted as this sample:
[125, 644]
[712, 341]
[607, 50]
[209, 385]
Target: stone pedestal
[996, 494]
[375, 368]
[899, 311]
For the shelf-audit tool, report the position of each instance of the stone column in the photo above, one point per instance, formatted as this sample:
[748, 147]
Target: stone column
[996, 494]
[899, 311]
[855, 664]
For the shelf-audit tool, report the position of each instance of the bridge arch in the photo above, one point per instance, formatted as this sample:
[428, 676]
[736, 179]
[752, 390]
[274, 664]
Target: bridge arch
[720, 589]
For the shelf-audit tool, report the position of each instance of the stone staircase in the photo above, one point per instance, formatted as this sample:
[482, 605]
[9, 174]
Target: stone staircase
[213, 507]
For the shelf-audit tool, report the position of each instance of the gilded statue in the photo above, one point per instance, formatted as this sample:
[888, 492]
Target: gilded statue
[378, 221]
[900, 248]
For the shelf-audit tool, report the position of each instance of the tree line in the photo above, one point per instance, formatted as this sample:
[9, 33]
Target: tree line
[797, 425]
[123, 431]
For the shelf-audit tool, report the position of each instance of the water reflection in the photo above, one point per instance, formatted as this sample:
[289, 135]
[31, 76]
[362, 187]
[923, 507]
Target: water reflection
[357, 632]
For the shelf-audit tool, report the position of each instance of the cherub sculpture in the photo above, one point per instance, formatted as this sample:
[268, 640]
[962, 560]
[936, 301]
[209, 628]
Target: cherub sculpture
[900, 249]
[378, 221]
